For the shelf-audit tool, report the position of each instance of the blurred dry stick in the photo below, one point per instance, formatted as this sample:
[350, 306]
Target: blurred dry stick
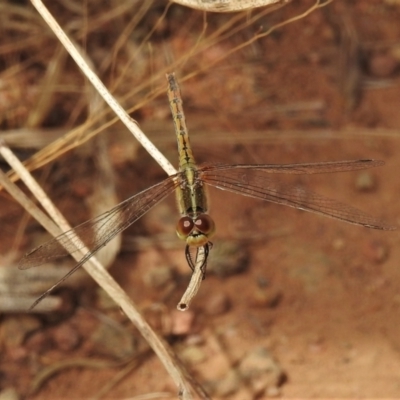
[228, 5]
[350, 56]
[40, 108]
[88, 363]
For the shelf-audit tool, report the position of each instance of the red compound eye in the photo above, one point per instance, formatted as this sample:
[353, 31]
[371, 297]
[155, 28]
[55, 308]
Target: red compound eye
[184, 227]
[205, 224]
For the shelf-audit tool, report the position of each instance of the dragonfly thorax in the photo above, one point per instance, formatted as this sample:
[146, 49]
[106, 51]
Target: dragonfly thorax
[191, 194]
[195, 231]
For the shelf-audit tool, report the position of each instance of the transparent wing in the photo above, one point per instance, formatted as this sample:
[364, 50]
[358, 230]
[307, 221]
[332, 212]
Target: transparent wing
[98, 231]
[306, 168]
[254, 182]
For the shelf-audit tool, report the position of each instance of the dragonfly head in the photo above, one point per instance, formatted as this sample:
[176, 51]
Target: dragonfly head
[195, 231]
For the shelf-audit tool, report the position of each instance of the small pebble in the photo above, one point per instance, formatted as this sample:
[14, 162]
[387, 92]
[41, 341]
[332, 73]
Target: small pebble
[113, 341]
[338, 244]
[193, 355]
[382, 65]
[9, 394]
[261, 370]
[395, 51]
[14, 330]
[376, 251]
[66, 337]
[396, 299]
[39, 342]
[80, 189]
[365, 182]
[182, 322]
[273, 391]
[228, 385]
[18, 354]
[228, 258]
[195, 340]
[157, 277]
[217, 304]
[266, 297]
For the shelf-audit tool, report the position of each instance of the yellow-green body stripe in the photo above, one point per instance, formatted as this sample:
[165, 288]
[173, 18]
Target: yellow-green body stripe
[191, 195]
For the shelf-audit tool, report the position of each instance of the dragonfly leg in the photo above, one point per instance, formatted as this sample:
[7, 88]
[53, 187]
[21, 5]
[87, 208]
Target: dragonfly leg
[207, 247]
[189, 257]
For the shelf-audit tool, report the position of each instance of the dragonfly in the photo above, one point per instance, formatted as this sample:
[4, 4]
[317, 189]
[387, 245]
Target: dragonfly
[195, 226]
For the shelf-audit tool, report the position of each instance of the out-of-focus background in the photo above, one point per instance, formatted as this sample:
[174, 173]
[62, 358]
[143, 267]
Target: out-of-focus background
[294, 304]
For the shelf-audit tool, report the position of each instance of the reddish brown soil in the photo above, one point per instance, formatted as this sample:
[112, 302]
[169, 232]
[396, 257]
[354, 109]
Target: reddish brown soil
[333, 325]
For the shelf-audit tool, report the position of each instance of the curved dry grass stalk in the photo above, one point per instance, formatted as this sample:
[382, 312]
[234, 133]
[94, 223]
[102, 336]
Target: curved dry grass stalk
[228, 5]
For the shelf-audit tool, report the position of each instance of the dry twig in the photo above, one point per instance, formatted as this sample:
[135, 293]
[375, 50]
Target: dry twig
[228, 5]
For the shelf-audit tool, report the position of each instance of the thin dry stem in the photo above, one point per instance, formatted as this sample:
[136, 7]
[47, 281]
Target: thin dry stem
[195, 282]
[228, 5]
[102, 90]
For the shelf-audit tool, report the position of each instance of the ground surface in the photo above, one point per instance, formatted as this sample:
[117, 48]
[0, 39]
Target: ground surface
[319, 296]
